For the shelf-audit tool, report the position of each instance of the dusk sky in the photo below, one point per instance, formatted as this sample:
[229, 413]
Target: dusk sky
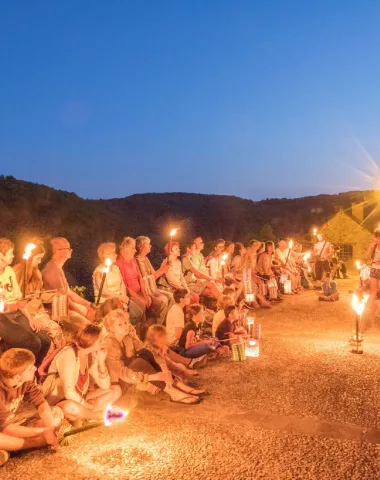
[249, 98]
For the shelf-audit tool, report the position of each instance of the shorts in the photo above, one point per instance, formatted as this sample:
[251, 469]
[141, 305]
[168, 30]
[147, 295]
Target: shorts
[198, 287]
[375, 273]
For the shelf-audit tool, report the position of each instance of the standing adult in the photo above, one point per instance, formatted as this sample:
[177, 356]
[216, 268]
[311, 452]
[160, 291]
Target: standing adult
[374, 261]
[322, 252]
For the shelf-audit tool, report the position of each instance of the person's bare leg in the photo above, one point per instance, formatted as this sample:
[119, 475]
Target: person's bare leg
[13, 444]
[101, 398]
[75, 411]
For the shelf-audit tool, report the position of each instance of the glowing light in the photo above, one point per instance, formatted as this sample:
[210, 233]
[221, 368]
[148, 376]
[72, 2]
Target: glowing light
[173, 232]
[252, 349]
[359, 305]
[107, 266]
[358, 264]
[306, 257]
[114, 415]
[315, 232]
[28, 251]
[249, 297]
[290, 244]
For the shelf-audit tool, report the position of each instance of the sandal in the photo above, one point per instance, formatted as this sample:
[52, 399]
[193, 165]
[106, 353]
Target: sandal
[191, 391]
[187, 400]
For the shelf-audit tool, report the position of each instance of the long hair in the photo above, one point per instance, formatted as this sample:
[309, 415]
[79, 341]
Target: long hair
[193, 310]
[34, 282]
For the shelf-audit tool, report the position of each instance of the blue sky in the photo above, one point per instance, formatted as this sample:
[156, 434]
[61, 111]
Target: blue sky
[250, 98]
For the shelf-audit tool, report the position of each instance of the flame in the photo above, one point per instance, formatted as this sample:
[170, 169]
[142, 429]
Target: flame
[306, 256]
[359, 305]
[315, 231]
[291, 244]
[358, 264]
[225, 256]
[107, 263]
[28, 251]
[113, 415]
[173, 232]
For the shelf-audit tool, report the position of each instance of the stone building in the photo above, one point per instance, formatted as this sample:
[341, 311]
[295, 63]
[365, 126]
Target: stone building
[347, 233]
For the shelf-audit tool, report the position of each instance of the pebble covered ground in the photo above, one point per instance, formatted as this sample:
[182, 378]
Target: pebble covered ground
[305, 377]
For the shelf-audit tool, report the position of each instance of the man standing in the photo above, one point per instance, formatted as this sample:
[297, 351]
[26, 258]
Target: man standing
[322, 252]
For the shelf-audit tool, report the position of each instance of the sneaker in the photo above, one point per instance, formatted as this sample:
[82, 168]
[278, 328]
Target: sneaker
[4, 457]
[198, 362]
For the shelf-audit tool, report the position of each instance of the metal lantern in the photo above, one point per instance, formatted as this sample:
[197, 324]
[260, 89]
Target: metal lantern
[238, 352]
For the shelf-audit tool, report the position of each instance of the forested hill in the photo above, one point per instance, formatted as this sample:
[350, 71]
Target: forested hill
[29, 209]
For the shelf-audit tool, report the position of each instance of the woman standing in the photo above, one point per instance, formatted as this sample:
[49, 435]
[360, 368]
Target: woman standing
[374, 256]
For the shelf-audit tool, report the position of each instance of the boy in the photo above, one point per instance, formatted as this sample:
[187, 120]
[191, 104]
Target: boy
[227, 327]
[329, 292]
[20, 428]
[175, 320]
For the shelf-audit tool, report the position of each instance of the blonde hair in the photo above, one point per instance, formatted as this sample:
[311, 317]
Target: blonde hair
[112, 317]
[6, 245]
[127, 241]
[140, 241]
[15, 361]
[104, 248]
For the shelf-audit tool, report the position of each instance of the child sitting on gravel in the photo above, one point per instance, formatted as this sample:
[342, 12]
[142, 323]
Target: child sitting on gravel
[21, 426]
[329, 292]
[227, 328]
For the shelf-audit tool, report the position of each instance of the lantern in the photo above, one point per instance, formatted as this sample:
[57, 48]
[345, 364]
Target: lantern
[238, 352]
[252, 348]
[288, 287]
[249, 297]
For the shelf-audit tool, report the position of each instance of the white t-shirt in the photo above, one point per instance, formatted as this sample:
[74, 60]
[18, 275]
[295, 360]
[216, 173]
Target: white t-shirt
[8, 282]
[216, 320]
[175, 319]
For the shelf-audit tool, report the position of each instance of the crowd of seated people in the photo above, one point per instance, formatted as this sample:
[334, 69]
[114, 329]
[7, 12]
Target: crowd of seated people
[145, 328]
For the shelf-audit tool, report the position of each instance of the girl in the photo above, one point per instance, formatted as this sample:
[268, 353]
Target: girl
[154, 352]
[189, 344]
[34, 288]
[17, 326]
[67, 384]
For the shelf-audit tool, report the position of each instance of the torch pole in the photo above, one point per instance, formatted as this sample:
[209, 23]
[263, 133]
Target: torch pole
[25, 272]
[101, 287]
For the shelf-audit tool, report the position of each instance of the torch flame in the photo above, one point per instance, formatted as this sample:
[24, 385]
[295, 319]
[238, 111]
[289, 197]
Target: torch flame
[225, 256]
[291, 244]
[306, 257]
[108, 263]
[359, 305]
[173, 232]
[358, 265]
[113, 414]
[315, 231]
[28, 251]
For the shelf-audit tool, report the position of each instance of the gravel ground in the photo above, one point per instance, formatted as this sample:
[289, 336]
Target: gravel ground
[288, 414]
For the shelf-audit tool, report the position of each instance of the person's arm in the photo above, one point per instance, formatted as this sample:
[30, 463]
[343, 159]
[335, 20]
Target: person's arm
[74, 297]
[212, 267]
[46, 415]
[98, 369]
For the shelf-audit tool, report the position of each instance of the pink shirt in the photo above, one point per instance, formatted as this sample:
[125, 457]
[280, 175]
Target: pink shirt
[130, 273]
